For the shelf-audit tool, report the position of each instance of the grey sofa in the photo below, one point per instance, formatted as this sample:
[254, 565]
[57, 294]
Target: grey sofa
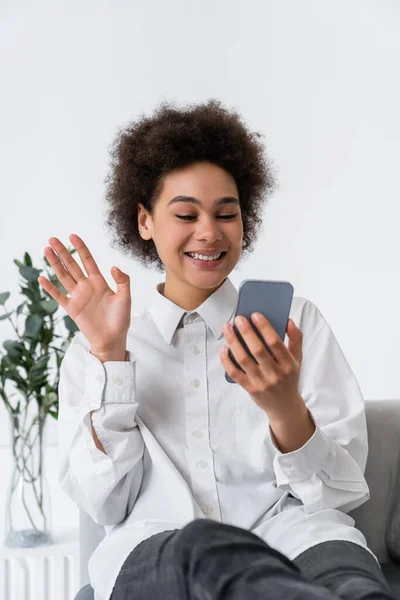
[378, 518]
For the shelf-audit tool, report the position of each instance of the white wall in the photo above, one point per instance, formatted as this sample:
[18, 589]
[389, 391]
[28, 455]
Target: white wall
[321, 81]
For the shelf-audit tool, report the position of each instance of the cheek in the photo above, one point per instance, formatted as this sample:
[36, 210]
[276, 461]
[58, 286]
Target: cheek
[173, 239]
[236, 237]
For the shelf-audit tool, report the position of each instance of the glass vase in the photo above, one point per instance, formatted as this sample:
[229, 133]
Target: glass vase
[27, 518]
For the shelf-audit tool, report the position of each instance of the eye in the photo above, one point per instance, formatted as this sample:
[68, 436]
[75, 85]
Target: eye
[190, 217]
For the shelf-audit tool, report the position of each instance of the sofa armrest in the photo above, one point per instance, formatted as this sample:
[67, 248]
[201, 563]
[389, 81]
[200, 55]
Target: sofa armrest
[90, 536]
[379, 517]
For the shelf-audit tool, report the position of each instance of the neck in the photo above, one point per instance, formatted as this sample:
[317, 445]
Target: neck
[185, 295]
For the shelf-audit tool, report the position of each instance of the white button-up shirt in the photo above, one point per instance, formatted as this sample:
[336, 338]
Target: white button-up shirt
[182, 443]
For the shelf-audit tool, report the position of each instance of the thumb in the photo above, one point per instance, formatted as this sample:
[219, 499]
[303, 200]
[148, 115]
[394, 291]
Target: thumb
[295, 345]
[121, 279]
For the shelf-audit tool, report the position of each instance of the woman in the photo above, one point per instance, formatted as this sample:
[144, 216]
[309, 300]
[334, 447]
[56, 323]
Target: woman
[207, 490]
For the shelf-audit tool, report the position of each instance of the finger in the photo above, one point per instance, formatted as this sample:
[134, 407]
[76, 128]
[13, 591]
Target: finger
[85, 255]
[254, 344]
[247, 363]
[62, 274]
[54, 292]
[231, 369]
[295, 345]
[272, 339]
[73, 270]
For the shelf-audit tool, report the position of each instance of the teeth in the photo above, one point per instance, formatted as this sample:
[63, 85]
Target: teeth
[201, 257]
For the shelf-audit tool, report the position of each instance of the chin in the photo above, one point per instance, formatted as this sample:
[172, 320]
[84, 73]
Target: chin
[206, 280]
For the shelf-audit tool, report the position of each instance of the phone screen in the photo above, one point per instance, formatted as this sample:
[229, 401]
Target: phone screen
[273, 299]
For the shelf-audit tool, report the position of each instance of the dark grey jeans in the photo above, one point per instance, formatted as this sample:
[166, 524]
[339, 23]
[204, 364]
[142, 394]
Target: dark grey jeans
[208, 560]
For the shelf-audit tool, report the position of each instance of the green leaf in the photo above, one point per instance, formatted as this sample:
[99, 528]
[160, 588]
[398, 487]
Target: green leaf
[4, 296]
[30, 273]
[32, 325]
[50, 400]
[13, 374]
[28, 293]
[48, 335]
[14, 348]
[70, 324]
[7, 364]
[42, 362]
[38, 379]
[27, 260]
[52, 397]
[49, 306]
[18, 263]
[5, 316]
[15, 361]
[20, 308]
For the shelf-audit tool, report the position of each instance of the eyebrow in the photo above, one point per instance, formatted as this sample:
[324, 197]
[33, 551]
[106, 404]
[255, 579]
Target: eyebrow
[224, 200]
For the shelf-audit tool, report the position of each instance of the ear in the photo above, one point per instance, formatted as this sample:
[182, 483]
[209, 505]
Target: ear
[144, 222]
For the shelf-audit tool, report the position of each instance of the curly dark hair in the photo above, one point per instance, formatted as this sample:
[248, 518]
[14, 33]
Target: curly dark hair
[148, 149]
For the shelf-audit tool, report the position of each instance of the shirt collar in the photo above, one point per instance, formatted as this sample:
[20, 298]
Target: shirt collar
[215, 311]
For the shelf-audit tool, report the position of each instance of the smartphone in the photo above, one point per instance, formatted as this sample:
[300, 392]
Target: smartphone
[273, 299]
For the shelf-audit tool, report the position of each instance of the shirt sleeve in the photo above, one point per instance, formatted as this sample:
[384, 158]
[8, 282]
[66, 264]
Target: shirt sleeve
[328, 471]
[103, 485]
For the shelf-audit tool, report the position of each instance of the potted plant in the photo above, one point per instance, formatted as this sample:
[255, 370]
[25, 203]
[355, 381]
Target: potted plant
[25, 368]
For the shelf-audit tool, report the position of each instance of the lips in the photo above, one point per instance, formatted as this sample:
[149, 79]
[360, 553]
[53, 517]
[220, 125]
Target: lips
[207, 253]
[206, 265]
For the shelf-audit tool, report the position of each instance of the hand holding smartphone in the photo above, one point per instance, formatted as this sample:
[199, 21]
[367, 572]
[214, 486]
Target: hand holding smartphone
[273, 299]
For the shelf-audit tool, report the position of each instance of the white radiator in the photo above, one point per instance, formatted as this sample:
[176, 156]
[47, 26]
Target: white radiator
[47, 572]
[52, 577]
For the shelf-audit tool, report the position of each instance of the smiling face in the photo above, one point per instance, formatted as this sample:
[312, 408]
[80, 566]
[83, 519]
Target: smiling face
[198, 210]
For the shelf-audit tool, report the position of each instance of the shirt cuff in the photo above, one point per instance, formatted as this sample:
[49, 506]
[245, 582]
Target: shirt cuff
[119, 381]
[303, 462]
[109, 382]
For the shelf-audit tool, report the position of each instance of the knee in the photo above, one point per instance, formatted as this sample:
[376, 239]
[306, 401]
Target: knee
[198, 528]
[86, 593]
[207, 538]
[207, 531]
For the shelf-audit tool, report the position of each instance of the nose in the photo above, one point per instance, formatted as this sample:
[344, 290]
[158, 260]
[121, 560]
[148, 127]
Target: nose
[209, 231]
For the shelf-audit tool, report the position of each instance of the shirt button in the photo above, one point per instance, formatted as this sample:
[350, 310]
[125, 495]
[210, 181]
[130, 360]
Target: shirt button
[195, 383]
[196, 350]
[190, 318]
[207, 509]
[201, 464]
[197, 434]
[117, 380]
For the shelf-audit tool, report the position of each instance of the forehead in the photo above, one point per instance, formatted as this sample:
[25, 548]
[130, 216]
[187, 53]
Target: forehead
[204, 181]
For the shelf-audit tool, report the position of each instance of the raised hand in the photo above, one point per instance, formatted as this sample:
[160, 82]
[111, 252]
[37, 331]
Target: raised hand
[102, 315]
